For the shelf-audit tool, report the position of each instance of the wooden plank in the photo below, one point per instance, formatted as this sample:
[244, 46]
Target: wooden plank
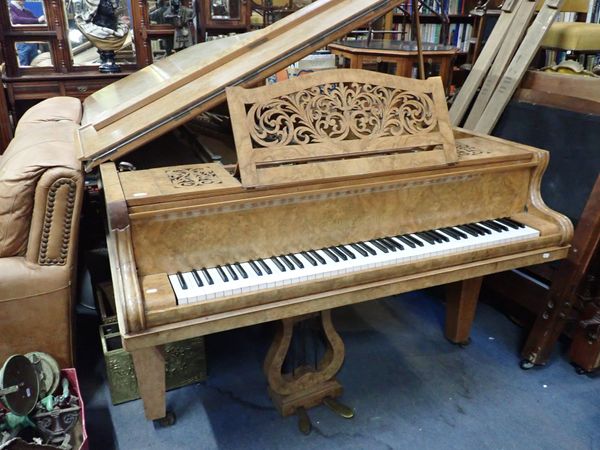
[519, 65]
[561, 101]
[467, 92]
[585, 88]
[523, 15]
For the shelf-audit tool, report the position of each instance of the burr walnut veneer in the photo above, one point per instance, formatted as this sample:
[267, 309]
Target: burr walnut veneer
[174, 219]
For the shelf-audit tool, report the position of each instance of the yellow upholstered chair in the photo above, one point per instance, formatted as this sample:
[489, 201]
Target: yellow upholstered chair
[577, 37]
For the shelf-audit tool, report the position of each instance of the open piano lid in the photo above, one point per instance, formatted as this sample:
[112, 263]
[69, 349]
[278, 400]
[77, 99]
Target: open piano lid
[152, 101]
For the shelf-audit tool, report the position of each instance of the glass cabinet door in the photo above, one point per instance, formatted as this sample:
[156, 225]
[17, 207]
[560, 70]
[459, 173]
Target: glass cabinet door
[225, 9]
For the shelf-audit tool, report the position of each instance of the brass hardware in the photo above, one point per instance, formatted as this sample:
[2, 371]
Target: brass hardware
[339, 408]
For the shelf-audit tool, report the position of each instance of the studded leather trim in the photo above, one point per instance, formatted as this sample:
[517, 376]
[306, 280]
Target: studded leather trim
[61, 260]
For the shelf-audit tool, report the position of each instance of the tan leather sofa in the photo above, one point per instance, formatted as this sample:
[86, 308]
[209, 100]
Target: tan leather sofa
[41, 186]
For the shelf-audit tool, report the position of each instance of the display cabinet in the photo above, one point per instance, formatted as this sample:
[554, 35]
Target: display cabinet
[46, 54]
[222, 17]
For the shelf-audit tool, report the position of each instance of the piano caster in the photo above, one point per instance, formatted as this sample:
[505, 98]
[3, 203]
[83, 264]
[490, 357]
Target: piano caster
[580, 370]
[304, 424]
[164, 422]
[463, 344]
[525, 364]
[339, 408]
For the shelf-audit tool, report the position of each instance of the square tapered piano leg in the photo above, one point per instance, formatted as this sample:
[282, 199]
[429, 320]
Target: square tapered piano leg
[461, 303]
[149, 366]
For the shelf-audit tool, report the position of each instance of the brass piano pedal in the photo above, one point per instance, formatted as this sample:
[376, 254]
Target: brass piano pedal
[304, 424]
[339, 408]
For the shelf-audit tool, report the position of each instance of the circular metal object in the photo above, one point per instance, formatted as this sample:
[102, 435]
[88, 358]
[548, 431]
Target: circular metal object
[47, 370]
[18, 371]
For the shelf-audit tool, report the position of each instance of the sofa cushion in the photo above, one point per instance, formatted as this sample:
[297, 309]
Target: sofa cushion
[41, 142]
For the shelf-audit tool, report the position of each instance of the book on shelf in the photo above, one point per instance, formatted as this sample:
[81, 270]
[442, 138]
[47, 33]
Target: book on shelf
[448, 7]
[459, 34]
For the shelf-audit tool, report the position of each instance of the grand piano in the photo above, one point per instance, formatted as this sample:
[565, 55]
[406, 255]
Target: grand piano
[351, 186]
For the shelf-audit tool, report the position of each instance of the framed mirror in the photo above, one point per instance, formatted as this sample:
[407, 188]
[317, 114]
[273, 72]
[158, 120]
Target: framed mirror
[83, 51]
[27, 13]
[33, 54]
[225, 9]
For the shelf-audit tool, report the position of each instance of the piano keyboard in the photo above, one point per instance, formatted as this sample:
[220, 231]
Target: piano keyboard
[242, 277]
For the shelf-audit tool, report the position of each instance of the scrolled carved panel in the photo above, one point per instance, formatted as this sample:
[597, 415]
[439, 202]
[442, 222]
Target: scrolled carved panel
[192, 176]
[340, 111]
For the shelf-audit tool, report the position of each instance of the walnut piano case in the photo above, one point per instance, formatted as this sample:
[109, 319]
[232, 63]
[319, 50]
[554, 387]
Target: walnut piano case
[329, 189]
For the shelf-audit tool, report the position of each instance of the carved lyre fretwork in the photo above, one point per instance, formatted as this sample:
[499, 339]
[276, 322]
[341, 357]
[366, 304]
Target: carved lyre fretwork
[307, 386]
[339, 123]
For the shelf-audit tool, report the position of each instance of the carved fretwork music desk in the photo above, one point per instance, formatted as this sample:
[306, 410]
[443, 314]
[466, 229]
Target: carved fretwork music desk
[352, 187]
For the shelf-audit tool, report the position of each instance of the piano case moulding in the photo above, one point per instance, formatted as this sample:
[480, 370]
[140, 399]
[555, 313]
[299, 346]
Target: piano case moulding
[333, 190]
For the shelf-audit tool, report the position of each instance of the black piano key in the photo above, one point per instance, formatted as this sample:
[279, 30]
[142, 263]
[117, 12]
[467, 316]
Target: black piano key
[379, 245]
[514, 222]
[359, 249]
[197, 278]
[450, 233]
[395, 243]
[480, 228]
[459, 232]
[440, 235]
[339, 253]
[241, 270]
[255, 268]
[181, 281]
[207, 276]
[265, 266]
[492, 226]
[387, 244]
[501, 225]
[368, 248]
[309, 258]
[317, 257]
[426, 238]
[231, 272]
[414, 239]
[347, 251]
[331, 255]
[287, 262]
[222, 273]
[296, 261]
[508, 223]
[278, 263]
[407, 241]
[436, 239]
[469, 230]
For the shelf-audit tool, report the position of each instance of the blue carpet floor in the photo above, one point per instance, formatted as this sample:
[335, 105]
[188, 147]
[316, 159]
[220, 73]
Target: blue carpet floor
[410, 388]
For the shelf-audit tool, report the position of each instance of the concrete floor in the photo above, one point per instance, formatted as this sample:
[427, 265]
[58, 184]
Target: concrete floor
[410, 388]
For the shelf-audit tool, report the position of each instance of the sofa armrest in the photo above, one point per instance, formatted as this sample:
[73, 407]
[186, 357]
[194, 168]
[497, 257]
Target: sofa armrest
[21, 279]
[55, 218]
